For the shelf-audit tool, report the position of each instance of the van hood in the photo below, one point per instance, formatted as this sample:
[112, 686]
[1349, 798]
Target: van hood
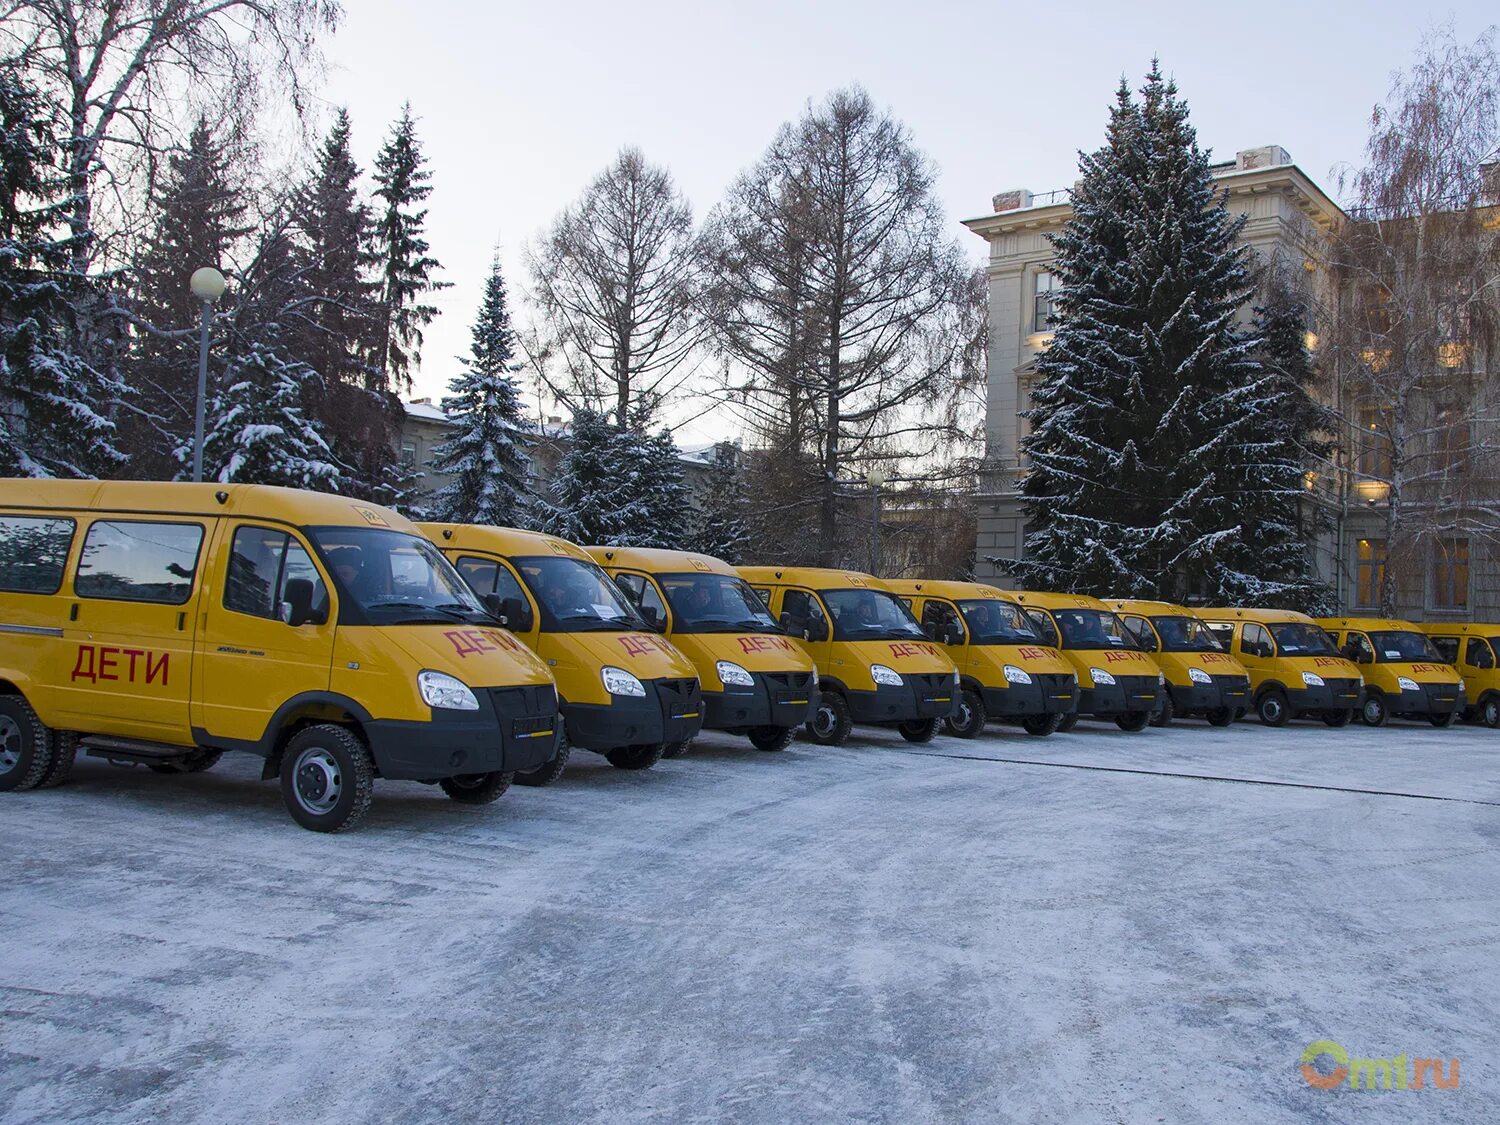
[479, 655]
[1115, 661]
[754, 652]
[1426, 672]
[1335, 666]
[647, 656]
[1214, 663]
[915, 656]
[1041, 659]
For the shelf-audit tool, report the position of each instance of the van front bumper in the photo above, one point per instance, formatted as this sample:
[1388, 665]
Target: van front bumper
[1047, 694]
[930, 696]
[776, 699]
[1430, 699]
[1127, 693]
[1225, 691]
[514, 729]
[670, 711]
[1334, 695]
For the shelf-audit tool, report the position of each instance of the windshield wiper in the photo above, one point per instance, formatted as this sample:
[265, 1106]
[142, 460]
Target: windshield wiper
[421, 607]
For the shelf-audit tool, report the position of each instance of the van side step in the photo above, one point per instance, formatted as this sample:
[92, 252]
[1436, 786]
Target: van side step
[131, 751]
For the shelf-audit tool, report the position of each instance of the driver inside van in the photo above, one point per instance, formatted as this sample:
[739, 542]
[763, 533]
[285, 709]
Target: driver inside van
[348, 564]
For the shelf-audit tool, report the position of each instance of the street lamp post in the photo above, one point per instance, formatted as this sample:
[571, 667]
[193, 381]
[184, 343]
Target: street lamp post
[208, 286]
[875, 478]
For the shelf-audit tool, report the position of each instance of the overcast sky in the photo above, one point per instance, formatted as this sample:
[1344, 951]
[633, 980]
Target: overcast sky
[521, 104]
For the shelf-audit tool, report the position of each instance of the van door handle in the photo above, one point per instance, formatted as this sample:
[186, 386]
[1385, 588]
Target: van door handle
[73, 612]
[181, 621]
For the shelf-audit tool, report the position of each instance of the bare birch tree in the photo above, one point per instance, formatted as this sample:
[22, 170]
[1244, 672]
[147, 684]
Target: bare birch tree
[1418, 272]
[617, 281]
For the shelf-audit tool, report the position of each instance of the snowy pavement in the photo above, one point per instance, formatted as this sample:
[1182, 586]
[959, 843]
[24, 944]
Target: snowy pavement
[1078, 928]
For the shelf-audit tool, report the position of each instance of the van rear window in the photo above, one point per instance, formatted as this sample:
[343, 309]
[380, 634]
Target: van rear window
[33, 553]
[130, 561]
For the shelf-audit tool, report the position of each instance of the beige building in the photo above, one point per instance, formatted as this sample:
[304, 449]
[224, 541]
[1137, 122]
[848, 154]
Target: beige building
[1288, 217]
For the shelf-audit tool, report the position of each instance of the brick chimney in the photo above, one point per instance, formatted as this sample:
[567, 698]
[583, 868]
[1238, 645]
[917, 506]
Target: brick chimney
[1015, 200]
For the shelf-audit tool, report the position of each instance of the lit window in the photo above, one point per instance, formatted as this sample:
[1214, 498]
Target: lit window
[1450, 574]
[1370, 574]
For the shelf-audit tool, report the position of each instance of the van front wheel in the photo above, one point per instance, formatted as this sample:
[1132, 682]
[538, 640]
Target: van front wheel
[1065, 724]
[1221, 716]
[1043, 725]
[831, 722]
[918, 730]
[771, 739]
[1273, 709]
[971, 717]
[1133, 720]
[327, 778]
[550, 770]
[1373, 712]
[476, 788]
[1166, 713]
[1338, 718]
[1489, 711]
[636, 757]
[27, 747]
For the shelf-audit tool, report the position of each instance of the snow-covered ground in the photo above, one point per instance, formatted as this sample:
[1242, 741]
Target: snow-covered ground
[1091, 927]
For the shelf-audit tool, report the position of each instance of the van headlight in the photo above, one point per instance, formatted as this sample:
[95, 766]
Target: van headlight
[617, 681]
[883, 675]
[1312, 679]
[1100, 676]
[732, 673]
[1407, 684]
[1199, 676]
[441, 690]
[1016, 675]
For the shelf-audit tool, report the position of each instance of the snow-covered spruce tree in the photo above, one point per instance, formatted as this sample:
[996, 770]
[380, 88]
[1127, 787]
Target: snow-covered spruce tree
[53, 405]
[722, 522]
[660, 510]
[485, 456]
[1144, 447]
[403, 182]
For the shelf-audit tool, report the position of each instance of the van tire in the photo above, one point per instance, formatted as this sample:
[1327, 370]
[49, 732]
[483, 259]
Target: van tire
[1133, 720]
[641, 757]
[1443, 719]
[971, 717]
[196, 762]
[918, 730]
[550, 770]
[1221, 716]
[1042, 725]
[1166, 713]
[477, 788]
[336, 782]
[771, 739]
[64, 750]
[1273, 709]
[677, 749]
[1373, 712]
[831, 723]
[1066, 723]
[1338, 718]
[1488, 711]
[27, 747]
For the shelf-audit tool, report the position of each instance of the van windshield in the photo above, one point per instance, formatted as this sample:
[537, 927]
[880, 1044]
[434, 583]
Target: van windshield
[1298, 638]
[1401, 647]
[395, 578]
[993, 622]
[715, 603]
[576, 596]
[870, 615]
[1091, 629]
[1185, 634]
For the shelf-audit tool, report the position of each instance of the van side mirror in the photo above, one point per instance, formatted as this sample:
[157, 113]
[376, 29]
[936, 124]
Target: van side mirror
[817, 630]
[653, 619]
[297, 606]
[511, 612]
[953, 633]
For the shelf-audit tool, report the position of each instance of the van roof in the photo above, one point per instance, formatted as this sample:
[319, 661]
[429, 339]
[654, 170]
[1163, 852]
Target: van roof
[1384, 624]
[1043, 599]
[941, 588]
[184, 498]
[656, 561]
[1263, 616]
[509, 542]
[1148, 607]
[1459, 629]
[813, 577]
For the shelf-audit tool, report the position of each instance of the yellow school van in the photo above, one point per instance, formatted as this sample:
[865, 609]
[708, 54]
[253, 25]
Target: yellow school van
[875, 665]
[1006, 673]
[1472, 649]
[626, 692]
[1295, 671]
[1405, 677]
[757, 681]
[163, 624]
[1115, 679]
[1203, 680]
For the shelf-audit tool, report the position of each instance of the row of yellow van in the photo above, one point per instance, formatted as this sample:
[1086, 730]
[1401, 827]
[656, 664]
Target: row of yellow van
[163, 624]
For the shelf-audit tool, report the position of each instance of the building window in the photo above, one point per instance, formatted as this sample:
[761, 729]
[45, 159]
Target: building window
[1453, 440]
[1450, 574]
[1045, 307]
[408, 455]
[1370, 572]
[1374, 444]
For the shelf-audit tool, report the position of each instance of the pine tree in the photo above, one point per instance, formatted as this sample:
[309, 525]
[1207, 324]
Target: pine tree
[722, 521]
[54, 405]
[659, 510]
[198, 218]
[485, 456]
[1139, 452]
[406, 269]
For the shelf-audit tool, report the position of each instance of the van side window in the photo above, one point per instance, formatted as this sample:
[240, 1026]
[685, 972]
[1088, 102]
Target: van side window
[800, 609]
[1448, 649]
[1042, 623]
[1479, 653]
[33, 553]
[1141, 633]
[480, 574]
[132, 561]
[1223, 632]
[1255, 641]
[1357, 648]
[937, 616]
[642, 594]
[262, 565]
[765, 595]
